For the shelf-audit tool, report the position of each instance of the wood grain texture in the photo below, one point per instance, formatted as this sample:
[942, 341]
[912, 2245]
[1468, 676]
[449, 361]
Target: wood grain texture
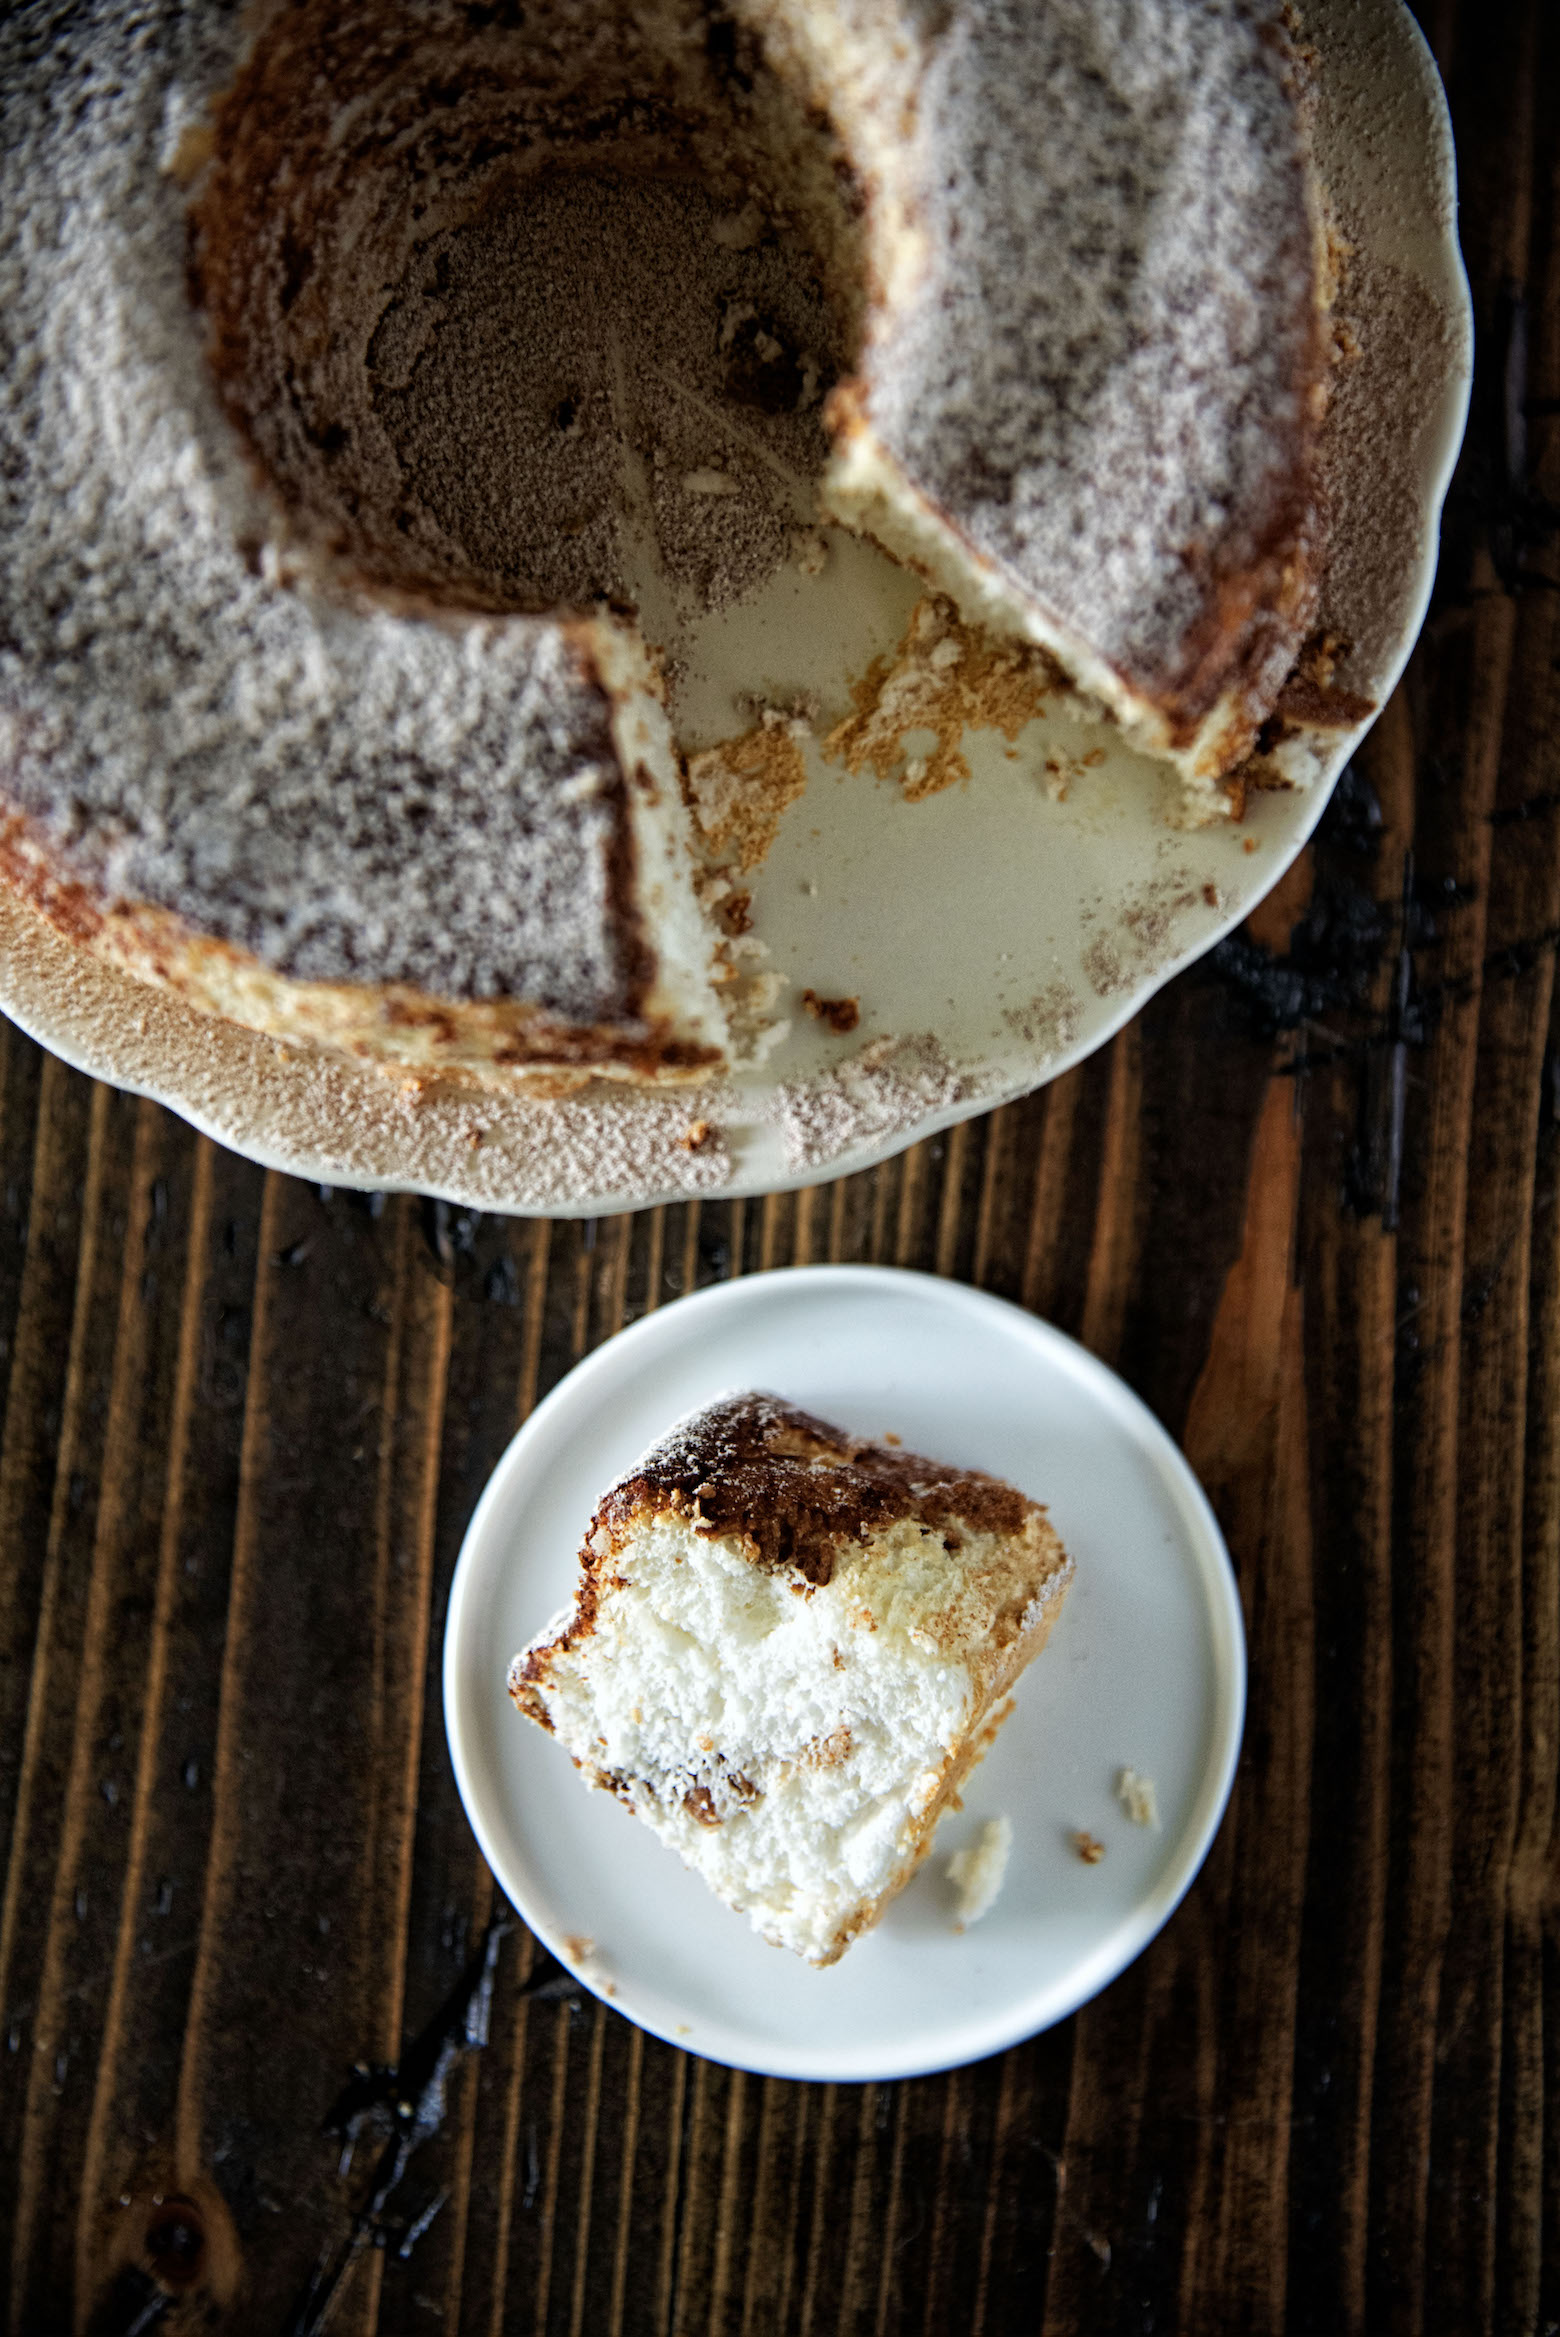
[1309, 1205]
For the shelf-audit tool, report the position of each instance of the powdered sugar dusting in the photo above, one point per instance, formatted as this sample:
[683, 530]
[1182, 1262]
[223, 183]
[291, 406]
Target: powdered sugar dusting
[893, 1086]
[340, 1122]
[1403, 352]
[1106, 369]
[1141, 934]
[348, 795]
[1046, 1023]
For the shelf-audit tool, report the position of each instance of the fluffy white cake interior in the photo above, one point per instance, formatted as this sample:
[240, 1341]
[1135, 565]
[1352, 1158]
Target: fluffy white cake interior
[794, 1741]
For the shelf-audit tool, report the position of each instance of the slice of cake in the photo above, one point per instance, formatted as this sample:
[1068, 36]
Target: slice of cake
[787, 1649]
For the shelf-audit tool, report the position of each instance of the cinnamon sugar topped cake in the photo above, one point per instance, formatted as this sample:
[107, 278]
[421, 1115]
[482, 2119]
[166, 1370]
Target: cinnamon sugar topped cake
[391, 385]
[787, 1649]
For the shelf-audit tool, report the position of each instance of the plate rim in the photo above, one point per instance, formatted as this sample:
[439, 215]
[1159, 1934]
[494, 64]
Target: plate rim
[1223, 1618]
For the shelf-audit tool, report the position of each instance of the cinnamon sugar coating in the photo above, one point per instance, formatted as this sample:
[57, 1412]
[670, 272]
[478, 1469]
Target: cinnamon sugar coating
[1106, 369]
[795, 1489]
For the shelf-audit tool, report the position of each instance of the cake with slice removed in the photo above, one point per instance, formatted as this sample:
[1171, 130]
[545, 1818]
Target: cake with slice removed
[347, 555]
[787, 1649]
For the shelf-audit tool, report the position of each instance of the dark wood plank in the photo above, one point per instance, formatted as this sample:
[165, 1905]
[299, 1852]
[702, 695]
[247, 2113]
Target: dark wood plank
[1348, 1267]
[100, 1629]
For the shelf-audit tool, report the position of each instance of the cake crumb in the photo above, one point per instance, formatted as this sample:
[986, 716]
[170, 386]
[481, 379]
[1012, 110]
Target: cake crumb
[946, 677]
[831, 1751]
[1088, 1846]
[841, 1015]
[741, 789]
[697, 1136]
[890, 1438]
[1136, 1794]
[978, 1872]
[579, 1945]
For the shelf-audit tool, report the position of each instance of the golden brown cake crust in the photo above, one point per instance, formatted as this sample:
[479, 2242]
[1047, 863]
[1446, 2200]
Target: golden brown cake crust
[792, 1487]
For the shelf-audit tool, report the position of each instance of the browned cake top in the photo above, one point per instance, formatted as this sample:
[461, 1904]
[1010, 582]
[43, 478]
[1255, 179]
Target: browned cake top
[794, 1487]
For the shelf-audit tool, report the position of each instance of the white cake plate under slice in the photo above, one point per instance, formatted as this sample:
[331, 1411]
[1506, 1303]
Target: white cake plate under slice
[1145, 1670]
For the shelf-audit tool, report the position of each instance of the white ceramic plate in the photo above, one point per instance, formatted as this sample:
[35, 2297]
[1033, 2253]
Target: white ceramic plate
[1146, 1669]
[993, 935]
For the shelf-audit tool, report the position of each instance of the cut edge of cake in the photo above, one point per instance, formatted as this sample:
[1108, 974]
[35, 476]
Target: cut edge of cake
[866, 490]
[1204, 720]
[787, 1649]
[699, 1004]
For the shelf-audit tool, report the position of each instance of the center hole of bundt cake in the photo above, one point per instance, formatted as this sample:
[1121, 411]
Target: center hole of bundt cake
[599, 379]
[510, 334]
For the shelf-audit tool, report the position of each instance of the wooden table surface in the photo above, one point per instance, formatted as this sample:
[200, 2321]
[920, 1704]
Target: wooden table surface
[1306, 1203]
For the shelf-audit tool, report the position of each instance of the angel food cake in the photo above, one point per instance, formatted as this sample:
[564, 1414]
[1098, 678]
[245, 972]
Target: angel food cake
[787, 1649]
[389, 384]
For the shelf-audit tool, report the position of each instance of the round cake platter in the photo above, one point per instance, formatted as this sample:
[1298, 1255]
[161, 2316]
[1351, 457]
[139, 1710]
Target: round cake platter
[990, 935]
